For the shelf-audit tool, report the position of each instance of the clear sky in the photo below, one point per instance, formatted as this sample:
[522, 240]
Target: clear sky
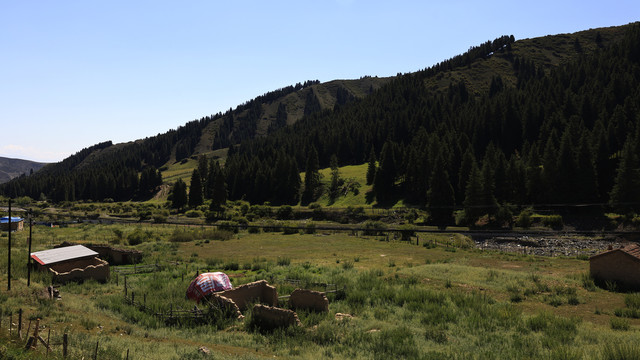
[76, 73]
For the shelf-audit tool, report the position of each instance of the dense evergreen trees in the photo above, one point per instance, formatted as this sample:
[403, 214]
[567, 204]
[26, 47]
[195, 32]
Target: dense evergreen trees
[551, 138]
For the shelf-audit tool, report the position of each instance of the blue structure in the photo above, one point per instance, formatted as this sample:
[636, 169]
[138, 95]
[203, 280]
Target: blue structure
[17, 223]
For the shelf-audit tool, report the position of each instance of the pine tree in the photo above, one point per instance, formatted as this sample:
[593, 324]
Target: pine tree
[468, 161]
[586, 180]
[384, 182]
[203, 169]
[311, 178]
[196, 197]
[179, 195]
[440, 195]
[371, 168]
[625, 195]
[473, 201]
[489, 203]
[334, 187]
[219, 197]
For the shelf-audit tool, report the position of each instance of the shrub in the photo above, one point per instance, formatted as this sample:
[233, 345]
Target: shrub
[553, 221]
[284, 212]
[194, 214]
[504, 216]
[587, 282]
[524, 219]
[181, 236]
[374, 228]
[216, 235]
[253, 230]
[620, 351]
[620, 324]
[310, 228]
[228, 226]
[632, 300]
[289, 229]
[284, 261]
[138, 237]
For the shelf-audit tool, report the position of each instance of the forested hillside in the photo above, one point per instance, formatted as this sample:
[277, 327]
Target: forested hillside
[546, 121]
[544, 129]
[122, 172]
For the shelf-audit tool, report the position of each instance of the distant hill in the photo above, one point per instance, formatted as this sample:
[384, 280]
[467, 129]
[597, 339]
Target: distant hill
[12, 168]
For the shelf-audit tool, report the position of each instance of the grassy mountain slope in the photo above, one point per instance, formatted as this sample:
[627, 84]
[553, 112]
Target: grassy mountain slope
[547, 52]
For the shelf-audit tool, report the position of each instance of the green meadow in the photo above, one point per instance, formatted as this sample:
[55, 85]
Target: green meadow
[395, 300]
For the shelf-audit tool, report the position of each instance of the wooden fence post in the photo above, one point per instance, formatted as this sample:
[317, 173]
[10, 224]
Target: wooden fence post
[20, 323]
[65, 343]
[48, 343]
[95, 353]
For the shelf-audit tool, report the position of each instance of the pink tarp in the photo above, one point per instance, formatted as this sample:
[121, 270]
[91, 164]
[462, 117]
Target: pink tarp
[206, 283]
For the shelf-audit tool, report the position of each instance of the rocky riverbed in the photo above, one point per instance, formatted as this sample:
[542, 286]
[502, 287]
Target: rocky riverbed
[550, 246]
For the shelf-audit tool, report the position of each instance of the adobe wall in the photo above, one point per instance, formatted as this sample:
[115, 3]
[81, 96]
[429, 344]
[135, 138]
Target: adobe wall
[99, 272]
[267, 317]
[75, 264]
[258, 291]
[309, 300]
[113, 255]
[616, 266]
[228, 304]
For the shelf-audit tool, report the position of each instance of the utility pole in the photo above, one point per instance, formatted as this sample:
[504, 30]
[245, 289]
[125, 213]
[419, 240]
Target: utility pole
[9, 254]
[29, 252]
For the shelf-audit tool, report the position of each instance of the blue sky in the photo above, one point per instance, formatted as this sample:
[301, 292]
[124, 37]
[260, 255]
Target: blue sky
[75, 73]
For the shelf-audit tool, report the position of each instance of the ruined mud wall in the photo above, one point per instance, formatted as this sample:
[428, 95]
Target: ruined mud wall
[267, 317]
[75, 264]
[259, 291]
[99, 272]
[309, 300]
[114, 256]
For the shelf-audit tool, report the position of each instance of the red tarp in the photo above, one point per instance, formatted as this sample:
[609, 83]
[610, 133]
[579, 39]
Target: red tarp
[207, 283]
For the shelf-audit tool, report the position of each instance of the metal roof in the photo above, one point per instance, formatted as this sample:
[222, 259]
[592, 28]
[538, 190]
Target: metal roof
[5, 220]
[46, 257]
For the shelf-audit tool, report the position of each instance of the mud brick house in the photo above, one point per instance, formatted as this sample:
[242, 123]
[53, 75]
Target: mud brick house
[17, 224]
[72, 263]
[621, 266]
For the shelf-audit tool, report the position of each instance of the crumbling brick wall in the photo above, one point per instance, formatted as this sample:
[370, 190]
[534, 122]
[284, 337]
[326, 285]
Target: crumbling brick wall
[309, 300]
[99, 272]
[258, 291]
[267, 317]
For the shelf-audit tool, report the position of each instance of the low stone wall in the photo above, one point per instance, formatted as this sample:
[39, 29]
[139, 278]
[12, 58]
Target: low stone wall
[309, 300]
[259, 291]
[99, 272]
[267, 317]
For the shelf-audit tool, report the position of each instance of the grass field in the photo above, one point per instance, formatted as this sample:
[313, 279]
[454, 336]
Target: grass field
[403, 300]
